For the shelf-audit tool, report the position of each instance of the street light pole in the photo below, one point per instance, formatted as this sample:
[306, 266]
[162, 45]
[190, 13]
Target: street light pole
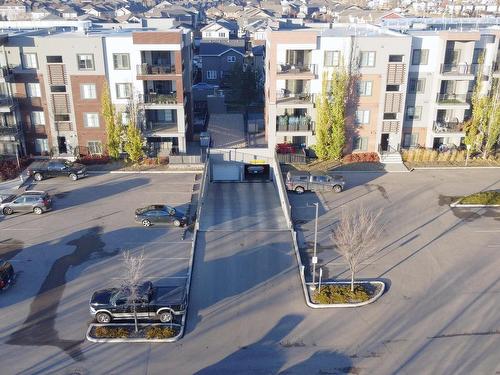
[315, 258]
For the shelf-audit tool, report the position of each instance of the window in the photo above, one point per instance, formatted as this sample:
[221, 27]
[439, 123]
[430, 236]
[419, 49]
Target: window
[420, 57]
[125, 118]
[365, 88]
[58, 88]
[211, 74]
[222, 35]
[88, 91]
[121, 61]
[390, 116]
[61, 117]
[30, 61]
[395, 58]
[410, 140]
[91, 120]
[41, 145]
[367, 59]
[332, 58]
[85, 62]
[360, 143]
[95, 147]
[37, 118]
[123, 90]
[54, 59]
[362, 117]
[413, 113]
[392, 88]
[33, 90]
[417, 85]
[231, 59]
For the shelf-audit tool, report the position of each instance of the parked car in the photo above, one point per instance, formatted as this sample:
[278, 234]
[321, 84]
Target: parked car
[6, 274]
[160, 303]
[37, 202]
[57, 167]
[256, 169]
[301, 181]
[160, 214]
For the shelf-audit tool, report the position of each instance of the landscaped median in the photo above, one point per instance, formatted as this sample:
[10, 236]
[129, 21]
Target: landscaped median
[482, 199]
[125, 332]
[339, 294]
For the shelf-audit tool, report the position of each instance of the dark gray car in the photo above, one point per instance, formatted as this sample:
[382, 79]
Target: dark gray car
[301, 181]
[29, 201]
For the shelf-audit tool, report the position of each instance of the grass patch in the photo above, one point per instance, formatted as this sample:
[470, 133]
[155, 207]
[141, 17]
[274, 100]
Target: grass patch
[111, 333]
[160, 333]
[484, 197]
[128, 332]
[341, 293]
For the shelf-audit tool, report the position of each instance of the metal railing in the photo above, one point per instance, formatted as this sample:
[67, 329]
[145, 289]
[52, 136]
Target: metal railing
[158, 126]
[450, 127]
[6, 101]
[294, 123]
[453, 98]
[286, 95]
[5, 71]
[8, 130]
[389, 149]
[292, 68]
[154, 69]
[459, 69]
[170, 98]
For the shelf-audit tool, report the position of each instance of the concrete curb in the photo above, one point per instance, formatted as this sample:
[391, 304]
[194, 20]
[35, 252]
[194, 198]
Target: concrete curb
[448, 168]
[348, 305]
[103, 340]
[146, 172]
[458, 205]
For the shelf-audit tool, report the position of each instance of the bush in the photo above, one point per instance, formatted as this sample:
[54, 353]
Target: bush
[341, 293]
[9, 169]
[94, 159]
[111, 333]
[361, 157]
[150, 161]
[160, 333]
[484, 197]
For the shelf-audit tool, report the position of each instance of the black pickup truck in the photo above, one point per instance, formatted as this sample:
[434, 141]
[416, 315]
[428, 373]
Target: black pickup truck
[160, 303]
[57, 167]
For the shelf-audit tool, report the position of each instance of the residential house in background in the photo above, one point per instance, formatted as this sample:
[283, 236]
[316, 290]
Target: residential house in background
[219, 58]
[220, 29]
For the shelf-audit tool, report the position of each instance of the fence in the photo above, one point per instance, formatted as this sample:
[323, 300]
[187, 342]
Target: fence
[186, 159]
[292, 158]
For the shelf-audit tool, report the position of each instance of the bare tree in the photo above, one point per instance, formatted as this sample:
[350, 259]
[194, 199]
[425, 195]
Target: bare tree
[134, 272]
[356, 235]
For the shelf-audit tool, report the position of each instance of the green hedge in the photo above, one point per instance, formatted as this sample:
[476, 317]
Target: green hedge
[485, 197]
[341, 293]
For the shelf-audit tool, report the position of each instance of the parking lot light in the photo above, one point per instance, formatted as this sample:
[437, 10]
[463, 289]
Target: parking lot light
[315, 258]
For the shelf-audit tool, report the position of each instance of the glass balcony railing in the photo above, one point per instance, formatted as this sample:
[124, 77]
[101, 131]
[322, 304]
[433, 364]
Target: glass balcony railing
[293, 68]
[448, 127]
[170, 98]
[452, 98]
[294, 123]
[153, 69]
[285, 95]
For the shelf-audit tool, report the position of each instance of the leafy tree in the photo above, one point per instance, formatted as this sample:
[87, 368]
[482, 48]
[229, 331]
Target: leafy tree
[244, 84]
[493, 132]
[133, 140]
[113, 129]
[134, 272]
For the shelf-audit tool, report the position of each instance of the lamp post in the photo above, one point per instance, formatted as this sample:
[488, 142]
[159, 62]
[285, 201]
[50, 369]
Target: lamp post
[315, 258]
[467, 156]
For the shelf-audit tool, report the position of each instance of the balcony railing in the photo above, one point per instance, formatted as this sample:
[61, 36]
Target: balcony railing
[5, 72]
[287, 96]
[8, 130]
[290, 68]
[160, 126]
[496, 67]
[452, 98]
[170, 98]
[448, 127]
[459, 69]
[151, 69]
[6, 101]
[293, 123]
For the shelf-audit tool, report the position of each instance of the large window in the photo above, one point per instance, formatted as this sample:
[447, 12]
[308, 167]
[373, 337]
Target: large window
[360, 143]
[91, 120]
[37, 118]
[365, 88]
[121, 61]
[362, 117]
[30, 61]
[413, 113]
[420, 57]
[88, 91]
[417, 85]
[410, 140]
[123, 90]
[85, 62]
[95, 147]
[41, 145]
[367, 59]
[332, 58]
[33, 90]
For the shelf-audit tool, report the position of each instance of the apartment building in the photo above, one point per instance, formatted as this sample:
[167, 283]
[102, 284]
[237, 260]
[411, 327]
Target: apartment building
[297, 62]
[59, 76]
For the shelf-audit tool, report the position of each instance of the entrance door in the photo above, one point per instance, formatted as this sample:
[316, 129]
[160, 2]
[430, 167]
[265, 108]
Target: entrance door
[384, 142]
[61, 145]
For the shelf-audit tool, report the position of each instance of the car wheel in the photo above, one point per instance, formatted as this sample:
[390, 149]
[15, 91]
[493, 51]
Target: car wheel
[337, 188]
[103, 317]
[8, 211]
[146, 223]
[73, 177]
[165, 316]
[299, 190]
[177, 223]
[38, 177]
[38, 210]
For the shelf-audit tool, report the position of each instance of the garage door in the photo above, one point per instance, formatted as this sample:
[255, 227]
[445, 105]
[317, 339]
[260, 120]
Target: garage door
[226, 172]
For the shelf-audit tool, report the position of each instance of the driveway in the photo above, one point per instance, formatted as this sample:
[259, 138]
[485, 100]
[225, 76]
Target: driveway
[227, 130]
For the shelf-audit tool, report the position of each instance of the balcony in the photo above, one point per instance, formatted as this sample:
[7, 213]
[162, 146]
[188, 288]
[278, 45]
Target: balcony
[6, 104]
[288, 97]
[448, 127]
[157, 128]
[293, 71]
[461, 69]
[453, 100]
[5, 73]
[294, 124]
[154, 70]
[156, 98]
[8, 130]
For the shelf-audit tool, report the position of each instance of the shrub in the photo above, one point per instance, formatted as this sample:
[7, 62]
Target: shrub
[361, 157]
[162, 160]
[9, 169]
[111, 333]
[460, 155]
[94, 159]
[484, 197]
[341, 293]
[149, 161]
[160, 333]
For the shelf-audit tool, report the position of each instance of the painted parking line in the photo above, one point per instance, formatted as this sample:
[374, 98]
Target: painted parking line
[488, 231]
[498, 245]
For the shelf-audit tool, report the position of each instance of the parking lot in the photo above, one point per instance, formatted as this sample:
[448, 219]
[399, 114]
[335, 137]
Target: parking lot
[62, 256]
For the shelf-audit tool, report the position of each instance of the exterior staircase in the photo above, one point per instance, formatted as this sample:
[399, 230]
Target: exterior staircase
[391, 159]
